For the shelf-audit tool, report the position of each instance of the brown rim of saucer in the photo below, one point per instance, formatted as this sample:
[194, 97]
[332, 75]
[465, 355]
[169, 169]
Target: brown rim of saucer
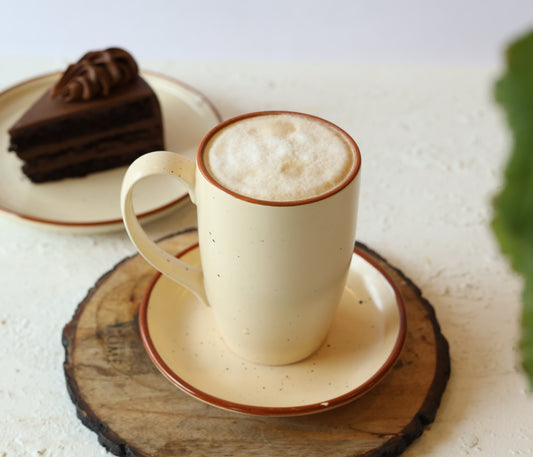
[347, 180]
[104, 222]
[275, 411]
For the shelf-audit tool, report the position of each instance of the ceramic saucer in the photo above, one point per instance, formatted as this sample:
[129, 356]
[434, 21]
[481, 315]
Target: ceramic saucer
[91, 203]
[365, 340]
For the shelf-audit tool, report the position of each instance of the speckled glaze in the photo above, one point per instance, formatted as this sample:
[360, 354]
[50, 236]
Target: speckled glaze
[273, 272]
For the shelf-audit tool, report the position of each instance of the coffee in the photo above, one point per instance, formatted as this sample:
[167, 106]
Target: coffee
[279, 157]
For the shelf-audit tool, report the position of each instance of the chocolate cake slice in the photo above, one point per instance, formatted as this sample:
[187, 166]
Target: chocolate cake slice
[101, 114]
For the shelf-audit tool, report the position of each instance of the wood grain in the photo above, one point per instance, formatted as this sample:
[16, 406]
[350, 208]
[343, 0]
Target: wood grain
[135, 411]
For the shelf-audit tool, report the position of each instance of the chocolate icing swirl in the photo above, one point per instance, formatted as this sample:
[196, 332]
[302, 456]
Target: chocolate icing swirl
[96, 74]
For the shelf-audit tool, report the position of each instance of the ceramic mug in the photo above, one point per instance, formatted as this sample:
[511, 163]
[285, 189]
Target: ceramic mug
[272, 271]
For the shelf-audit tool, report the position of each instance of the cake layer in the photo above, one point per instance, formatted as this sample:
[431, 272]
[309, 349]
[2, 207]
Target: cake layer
[106, 152]
[42, 150]
[47, 110]
[85, 167]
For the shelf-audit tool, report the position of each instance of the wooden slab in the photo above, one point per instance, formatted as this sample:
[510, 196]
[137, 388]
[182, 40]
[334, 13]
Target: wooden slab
[135, 411]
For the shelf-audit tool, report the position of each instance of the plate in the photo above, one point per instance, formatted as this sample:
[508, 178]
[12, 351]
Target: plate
[365, 340]
[91, 203]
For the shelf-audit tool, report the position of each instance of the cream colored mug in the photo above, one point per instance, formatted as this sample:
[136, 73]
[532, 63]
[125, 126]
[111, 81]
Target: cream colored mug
[273, 263]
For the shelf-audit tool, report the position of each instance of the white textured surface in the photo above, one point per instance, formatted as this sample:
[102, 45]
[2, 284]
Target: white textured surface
[433, 145]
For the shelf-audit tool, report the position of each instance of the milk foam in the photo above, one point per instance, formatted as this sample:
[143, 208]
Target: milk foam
[279, 157]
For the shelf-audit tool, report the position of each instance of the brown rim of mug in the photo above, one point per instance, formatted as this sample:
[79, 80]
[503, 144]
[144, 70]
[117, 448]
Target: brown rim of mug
[347, 180]
[277, 411]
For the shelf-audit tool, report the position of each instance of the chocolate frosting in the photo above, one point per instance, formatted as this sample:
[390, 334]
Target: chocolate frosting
[96, 74]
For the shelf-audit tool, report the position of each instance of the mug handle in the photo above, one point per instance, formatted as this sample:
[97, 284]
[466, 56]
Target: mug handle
[182, 168]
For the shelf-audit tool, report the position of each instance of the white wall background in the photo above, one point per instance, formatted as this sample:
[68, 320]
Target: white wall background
[451, 32]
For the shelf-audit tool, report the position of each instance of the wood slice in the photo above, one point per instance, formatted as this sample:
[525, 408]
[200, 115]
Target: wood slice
[135, 411]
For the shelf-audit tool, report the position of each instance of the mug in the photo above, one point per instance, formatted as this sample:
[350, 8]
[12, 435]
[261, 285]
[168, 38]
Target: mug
[272, 270]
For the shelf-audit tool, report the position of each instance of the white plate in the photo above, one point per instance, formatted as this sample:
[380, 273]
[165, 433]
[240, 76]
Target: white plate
[91, 203]
[365, 340]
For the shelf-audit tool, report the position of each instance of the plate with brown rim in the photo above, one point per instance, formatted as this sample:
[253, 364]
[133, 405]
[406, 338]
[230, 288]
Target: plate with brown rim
[91, 203]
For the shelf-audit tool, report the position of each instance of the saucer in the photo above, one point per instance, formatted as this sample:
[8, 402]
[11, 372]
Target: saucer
[365, 340]
[91, 203]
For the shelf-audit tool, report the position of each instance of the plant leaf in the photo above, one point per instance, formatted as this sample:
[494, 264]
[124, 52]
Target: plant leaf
[513, 206]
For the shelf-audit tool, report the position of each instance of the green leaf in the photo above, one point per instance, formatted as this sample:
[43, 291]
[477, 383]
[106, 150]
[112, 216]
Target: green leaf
[513, 207]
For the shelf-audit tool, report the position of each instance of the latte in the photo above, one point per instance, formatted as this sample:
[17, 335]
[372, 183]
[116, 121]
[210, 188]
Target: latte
[279, 157]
